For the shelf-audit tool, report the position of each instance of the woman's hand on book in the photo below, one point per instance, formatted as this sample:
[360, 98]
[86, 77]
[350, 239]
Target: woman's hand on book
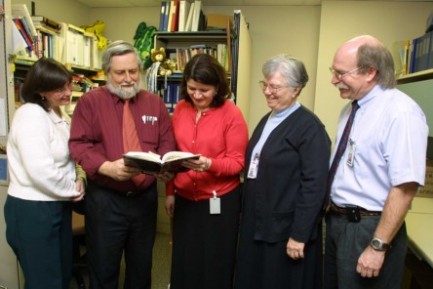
[200, 165]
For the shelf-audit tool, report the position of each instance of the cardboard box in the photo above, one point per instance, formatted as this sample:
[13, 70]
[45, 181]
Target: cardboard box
[427, 190]
[217, 21]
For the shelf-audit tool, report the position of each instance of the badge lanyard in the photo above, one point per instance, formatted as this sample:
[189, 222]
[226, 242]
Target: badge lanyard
[254, 166]
[214, 204]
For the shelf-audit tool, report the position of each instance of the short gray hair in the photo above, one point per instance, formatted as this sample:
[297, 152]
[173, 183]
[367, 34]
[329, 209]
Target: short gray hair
[292, 69]
[115, 48]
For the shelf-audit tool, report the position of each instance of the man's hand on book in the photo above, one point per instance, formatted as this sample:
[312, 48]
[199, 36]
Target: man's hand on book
[117, 170]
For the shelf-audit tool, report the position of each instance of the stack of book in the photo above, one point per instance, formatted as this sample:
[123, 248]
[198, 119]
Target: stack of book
[25, 28]
[46, 23]
[183, 55]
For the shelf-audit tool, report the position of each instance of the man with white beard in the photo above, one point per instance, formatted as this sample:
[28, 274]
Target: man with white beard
[121, 203]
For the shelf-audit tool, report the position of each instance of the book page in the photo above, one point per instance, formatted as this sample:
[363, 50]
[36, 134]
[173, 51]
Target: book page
[177, 155]
[150, 156]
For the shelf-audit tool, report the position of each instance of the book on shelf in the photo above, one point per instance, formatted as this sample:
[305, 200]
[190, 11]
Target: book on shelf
[19, 44]
[166, 15]
[27, 38]
[400, 51]
[162, 15]
[174, 16]
[184, 7]
[46, 22]
[170, 95]
[153, 163]
[20, 10]
[198, 7]
[411, 56]
[430, 51]
[188, 22]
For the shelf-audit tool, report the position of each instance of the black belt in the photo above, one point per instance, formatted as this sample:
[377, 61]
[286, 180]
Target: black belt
[129, 194]
[353, 210]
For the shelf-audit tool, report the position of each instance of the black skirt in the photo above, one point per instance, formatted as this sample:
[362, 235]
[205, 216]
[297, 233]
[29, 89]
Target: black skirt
[264, 265]
[204, 245]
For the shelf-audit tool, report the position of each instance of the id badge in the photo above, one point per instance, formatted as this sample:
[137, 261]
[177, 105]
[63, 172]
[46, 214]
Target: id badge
[214, 204]
[254, 166]
[351, 153]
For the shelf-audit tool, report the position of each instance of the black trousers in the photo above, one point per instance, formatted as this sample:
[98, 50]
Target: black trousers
[119, 224]
[345, 241]
[40, 234]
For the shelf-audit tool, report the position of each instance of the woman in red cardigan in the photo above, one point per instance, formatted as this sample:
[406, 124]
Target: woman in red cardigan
[205, 201]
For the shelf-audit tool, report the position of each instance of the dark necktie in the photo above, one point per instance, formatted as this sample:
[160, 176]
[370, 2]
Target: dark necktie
[341, 146]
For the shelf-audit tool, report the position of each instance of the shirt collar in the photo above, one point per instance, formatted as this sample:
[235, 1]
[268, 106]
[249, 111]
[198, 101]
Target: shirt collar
[57, 119]
[375, 91]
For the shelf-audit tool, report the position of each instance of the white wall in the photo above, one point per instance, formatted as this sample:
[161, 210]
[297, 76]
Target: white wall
[388, 21]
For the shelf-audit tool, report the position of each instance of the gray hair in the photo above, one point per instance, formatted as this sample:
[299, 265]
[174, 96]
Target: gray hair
[377, 56]
[291, 68]
[115, 48]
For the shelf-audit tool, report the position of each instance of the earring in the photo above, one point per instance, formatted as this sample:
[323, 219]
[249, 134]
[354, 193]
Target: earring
[43, 97]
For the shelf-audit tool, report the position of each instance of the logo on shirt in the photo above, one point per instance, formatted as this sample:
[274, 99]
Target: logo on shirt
[149, 119]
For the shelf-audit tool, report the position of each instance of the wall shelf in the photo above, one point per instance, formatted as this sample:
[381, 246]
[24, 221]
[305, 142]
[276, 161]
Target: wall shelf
[417, 76]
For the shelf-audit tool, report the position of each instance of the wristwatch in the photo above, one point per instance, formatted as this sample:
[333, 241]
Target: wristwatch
[379, 245]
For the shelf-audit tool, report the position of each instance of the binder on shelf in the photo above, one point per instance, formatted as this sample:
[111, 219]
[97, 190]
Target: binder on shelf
[74, 44]
[420, 53]
[430, 52]
[162, 15]
[425, 47]
[166, 15]
[184, 7]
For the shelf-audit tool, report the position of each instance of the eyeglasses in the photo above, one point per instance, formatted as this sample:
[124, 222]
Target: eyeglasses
[272, 87]
[340, 75]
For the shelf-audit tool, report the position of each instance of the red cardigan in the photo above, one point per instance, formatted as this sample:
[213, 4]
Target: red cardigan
[221, 134]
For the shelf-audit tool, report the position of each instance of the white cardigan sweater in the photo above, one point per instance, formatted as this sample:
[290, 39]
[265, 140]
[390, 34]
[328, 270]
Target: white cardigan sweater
[39, 164]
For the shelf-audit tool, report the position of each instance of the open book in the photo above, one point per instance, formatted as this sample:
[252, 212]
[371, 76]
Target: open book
[153, 163]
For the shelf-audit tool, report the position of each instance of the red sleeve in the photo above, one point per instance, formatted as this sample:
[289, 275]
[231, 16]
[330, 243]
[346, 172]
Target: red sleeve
[84, 150]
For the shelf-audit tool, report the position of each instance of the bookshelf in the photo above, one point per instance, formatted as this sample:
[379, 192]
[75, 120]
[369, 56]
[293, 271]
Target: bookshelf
[64, 42]
[416, 76]
[234, 38]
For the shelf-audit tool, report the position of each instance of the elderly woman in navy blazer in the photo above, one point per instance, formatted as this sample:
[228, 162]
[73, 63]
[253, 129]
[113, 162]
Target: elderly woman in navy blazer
[286, 169]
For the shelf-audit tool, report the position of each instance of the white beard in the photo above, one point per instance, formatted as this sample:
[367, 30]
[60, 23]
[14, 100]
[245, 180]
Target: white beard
[122, 92]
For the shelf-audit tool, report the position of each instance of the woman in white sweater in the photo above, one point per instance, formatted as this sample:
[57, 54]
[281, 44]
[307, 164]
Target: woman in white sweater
[43, 179]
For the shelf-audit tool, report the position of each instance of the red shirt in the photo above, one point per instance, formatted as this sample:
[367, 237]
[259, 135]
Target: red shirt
[221, 135]
[96, 132]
